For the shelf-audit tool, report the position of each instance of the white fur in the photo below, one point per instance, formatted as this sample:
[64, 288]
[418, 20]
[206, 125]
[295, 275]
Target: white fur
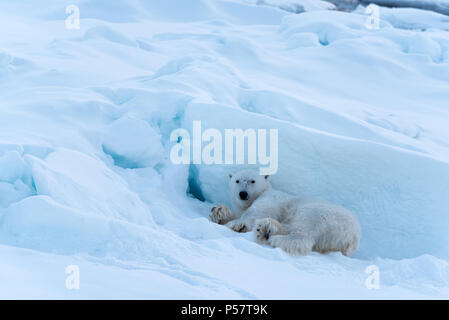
[285, 221]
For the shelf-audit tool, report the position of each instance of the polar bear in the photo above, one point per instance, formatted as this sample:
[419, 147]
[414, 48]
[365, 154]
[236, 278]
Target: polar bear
[281, 220]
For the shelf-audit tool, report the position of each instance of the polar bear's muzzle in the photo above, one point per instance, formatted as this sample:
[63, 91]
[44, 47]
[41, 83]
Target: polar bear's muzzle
[243, 195]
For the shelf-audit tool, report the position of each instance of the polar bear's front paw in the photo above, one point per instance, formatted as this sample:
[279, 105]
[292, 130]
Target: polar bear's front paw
[238, 226]
[220, 214]
[265, 228]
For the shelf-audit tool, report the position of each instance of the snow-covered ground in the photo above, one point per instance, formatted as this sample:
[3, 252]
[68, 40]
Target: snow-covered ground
[85, 121]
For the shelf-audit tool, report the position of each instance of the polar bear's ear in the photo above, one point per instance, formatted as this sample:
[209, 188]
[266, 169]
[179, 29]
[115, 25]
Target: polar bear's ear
[230, 176]
[267, 176]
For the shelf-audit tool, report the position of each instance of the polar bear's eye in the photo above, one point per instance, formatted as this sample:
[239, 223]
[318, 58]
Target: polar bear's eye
[237, 181]
[253, 181]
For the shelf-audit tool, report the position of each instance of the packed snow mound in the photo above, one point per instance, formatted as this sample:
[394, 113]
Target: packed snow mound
[85, 124]
[15, 178]
[64, 173]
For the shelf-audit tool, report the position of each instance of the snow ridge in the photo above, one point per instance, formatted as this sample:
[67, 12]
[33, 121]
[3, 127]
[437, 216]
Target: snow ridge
[86, 117]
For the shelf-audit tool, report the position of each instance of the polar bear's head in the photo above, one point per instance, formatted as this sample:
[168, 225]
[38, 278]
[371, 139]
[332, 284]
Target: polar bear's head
[246, 186]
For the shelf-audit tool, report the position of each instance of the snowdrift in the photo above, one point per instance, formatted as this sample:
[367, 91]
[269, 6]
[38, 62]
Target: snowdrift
[85, 124]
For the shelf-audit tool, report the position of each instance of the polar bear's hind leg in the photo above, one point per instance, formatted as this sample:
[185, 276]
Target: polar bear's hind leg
[295, 245]
[346, 241]
[351, 246]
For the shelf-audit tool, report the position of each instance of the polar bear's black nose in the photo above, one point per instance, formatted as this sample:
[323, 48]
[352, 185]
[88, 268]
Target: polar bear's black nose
[243, 195]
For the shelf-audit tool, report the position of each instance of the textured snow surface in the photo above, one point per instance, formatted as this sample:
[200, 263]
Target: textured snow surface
[86, 117]
[440, 6]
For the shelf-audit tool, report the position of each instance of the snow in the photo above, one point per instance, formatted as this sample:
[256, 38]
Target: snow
[132, 143]
[410, 18]
[85, 124]
[441, 6]
[295, 6]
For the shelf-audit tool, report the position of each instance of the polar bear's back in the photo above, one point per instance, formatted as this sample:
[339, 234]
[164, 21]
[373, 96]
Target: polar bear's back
[331, 227]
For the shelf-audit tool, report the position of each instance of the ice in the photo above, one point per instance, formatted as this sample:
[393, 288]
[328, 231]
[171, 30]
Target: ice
[411, 18]
[13, 167]
[15, 178]
[85, 123]
[132, 143]
[441, 6]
